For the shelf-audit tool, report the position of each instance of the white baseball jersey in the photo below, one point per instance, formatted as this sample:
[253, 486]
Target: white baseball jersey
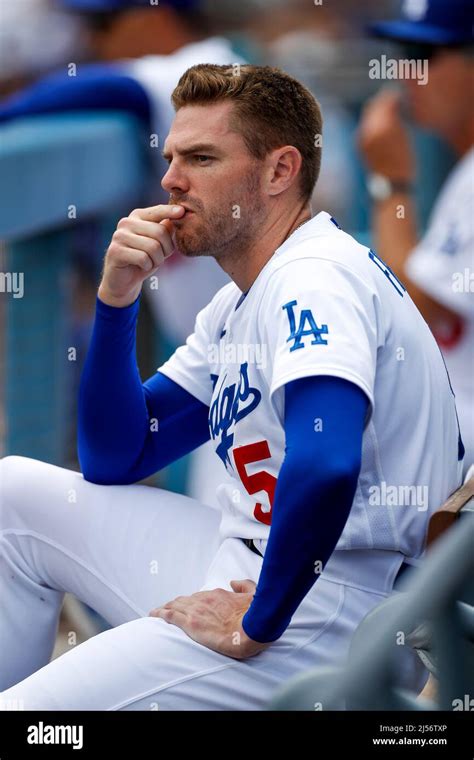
[443, 266]
[325, 305]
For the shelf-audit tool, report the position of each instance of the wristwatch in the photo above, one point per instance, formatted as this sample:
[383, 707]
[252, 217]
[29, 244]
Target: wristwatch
[380, 187]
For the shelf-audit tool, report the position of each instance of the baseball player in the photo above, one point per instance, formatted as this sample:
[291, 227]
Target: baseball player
[438, 268]
[326, 399]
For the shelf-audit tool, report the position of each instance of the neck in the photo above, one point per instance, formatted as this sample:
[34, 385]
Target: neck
[245, 265]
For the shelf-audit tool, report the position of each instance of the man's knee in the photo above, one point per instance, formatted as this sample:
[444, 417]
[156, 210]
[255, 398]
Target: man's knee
[15, 475]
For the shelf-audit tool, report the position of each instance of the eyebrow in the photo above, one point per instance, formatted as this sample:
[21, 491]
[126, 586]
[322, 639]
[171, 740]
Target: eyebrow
[197, 148]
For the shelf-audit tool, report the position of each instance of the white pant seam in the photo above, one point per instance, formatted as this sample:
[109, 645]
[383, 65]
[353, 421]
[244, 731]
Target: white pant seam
[170, 684]
[355, 586]
[328, 623]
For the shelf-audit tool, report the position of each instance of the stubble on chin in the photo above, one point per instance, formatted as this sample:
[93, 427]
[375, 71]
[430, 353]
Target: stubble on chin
[226, 236]
[232, 229]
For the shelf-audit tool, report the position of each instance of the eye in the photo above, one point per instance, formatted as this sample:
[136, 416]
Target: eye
[200, 158]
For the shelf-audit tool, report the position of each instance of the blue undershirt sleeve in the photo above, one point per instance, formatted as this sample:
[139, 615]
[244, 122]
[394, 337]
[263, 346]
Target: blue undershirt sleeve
[96, 86]
[127, 429]
[313, 497]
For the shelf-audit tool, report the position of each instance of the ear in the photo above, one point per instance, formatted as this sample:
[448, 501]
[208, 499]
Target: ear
[284, 166]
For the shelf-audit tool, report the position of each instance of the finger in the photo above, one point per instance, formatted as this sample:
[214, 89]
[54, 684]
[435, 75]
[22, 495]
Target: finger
[169, 230]
[161, 244]
[152, 230]
[136, 258]
[391, 96]
[384, 102]
[168, 225]
[179, 606]
[173, 617]
[181, 603]
[159, 213]
[245, 586]
[390, 101]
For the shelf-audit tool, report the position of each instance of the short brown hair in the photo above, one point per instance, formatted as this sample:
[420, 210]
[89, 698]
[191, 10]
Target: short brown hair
[271, 110]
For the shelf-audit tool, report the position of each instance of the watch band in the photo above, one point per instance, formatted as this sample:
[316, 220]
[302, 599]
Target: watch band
[380, 187]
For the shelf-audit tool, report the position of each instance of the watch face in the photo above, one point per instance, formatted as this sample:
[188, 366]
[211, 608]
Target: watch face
[379, 187]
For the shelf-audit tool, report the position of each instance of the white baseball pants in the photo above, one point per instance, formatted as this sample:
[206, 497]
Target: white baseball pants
[124, 550]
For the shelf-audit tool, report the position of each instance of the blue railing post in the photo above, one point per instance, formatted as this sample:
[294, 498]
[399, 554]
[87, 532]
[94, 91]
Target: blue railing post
[36, 330]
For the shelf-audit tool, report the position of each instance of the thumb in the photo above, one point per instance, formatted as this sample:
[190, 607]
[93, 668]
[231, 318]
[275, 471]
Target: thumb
[243, 586]
[392, 100]
[168, 225]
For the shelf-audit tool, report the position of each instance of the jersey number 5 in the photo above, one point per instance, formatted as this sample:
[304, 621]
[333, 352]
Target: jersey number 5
[259, 481]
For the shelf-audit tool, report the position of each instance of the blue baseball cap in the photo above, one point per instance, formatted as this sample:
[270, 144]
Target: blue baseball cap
[433, 22]
[96, 6]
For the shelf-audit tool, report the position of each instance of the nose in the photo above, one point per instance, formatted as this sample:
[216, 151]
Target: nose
[174, 180]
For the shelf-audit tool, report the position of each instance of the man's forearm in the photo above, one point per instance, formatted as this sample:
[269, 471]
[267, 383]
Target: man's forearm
[395, 236]
[113, 425]
[311, 521]
[112, 413]
[395, 230]
[312, 503]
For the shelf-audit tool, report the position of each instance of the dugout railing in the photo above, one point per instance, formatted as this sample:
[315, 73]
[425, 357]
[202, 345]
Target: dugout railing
[438, 597]
[57, 174]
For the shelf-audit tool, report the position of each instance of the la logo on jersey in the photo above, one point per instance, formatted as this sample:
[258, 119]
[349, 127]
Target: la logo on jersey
[306, 317]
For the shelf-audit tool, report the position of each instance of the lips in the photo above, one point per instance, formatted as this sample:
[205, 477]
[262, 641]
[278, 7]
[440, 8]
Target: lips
[186, 214]
[177, 203]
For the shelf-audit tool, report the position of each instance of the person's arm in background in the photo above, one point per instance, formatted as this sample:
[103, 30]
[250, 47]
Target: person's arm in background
[313, 497]
[385, 146]
[95, 86]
